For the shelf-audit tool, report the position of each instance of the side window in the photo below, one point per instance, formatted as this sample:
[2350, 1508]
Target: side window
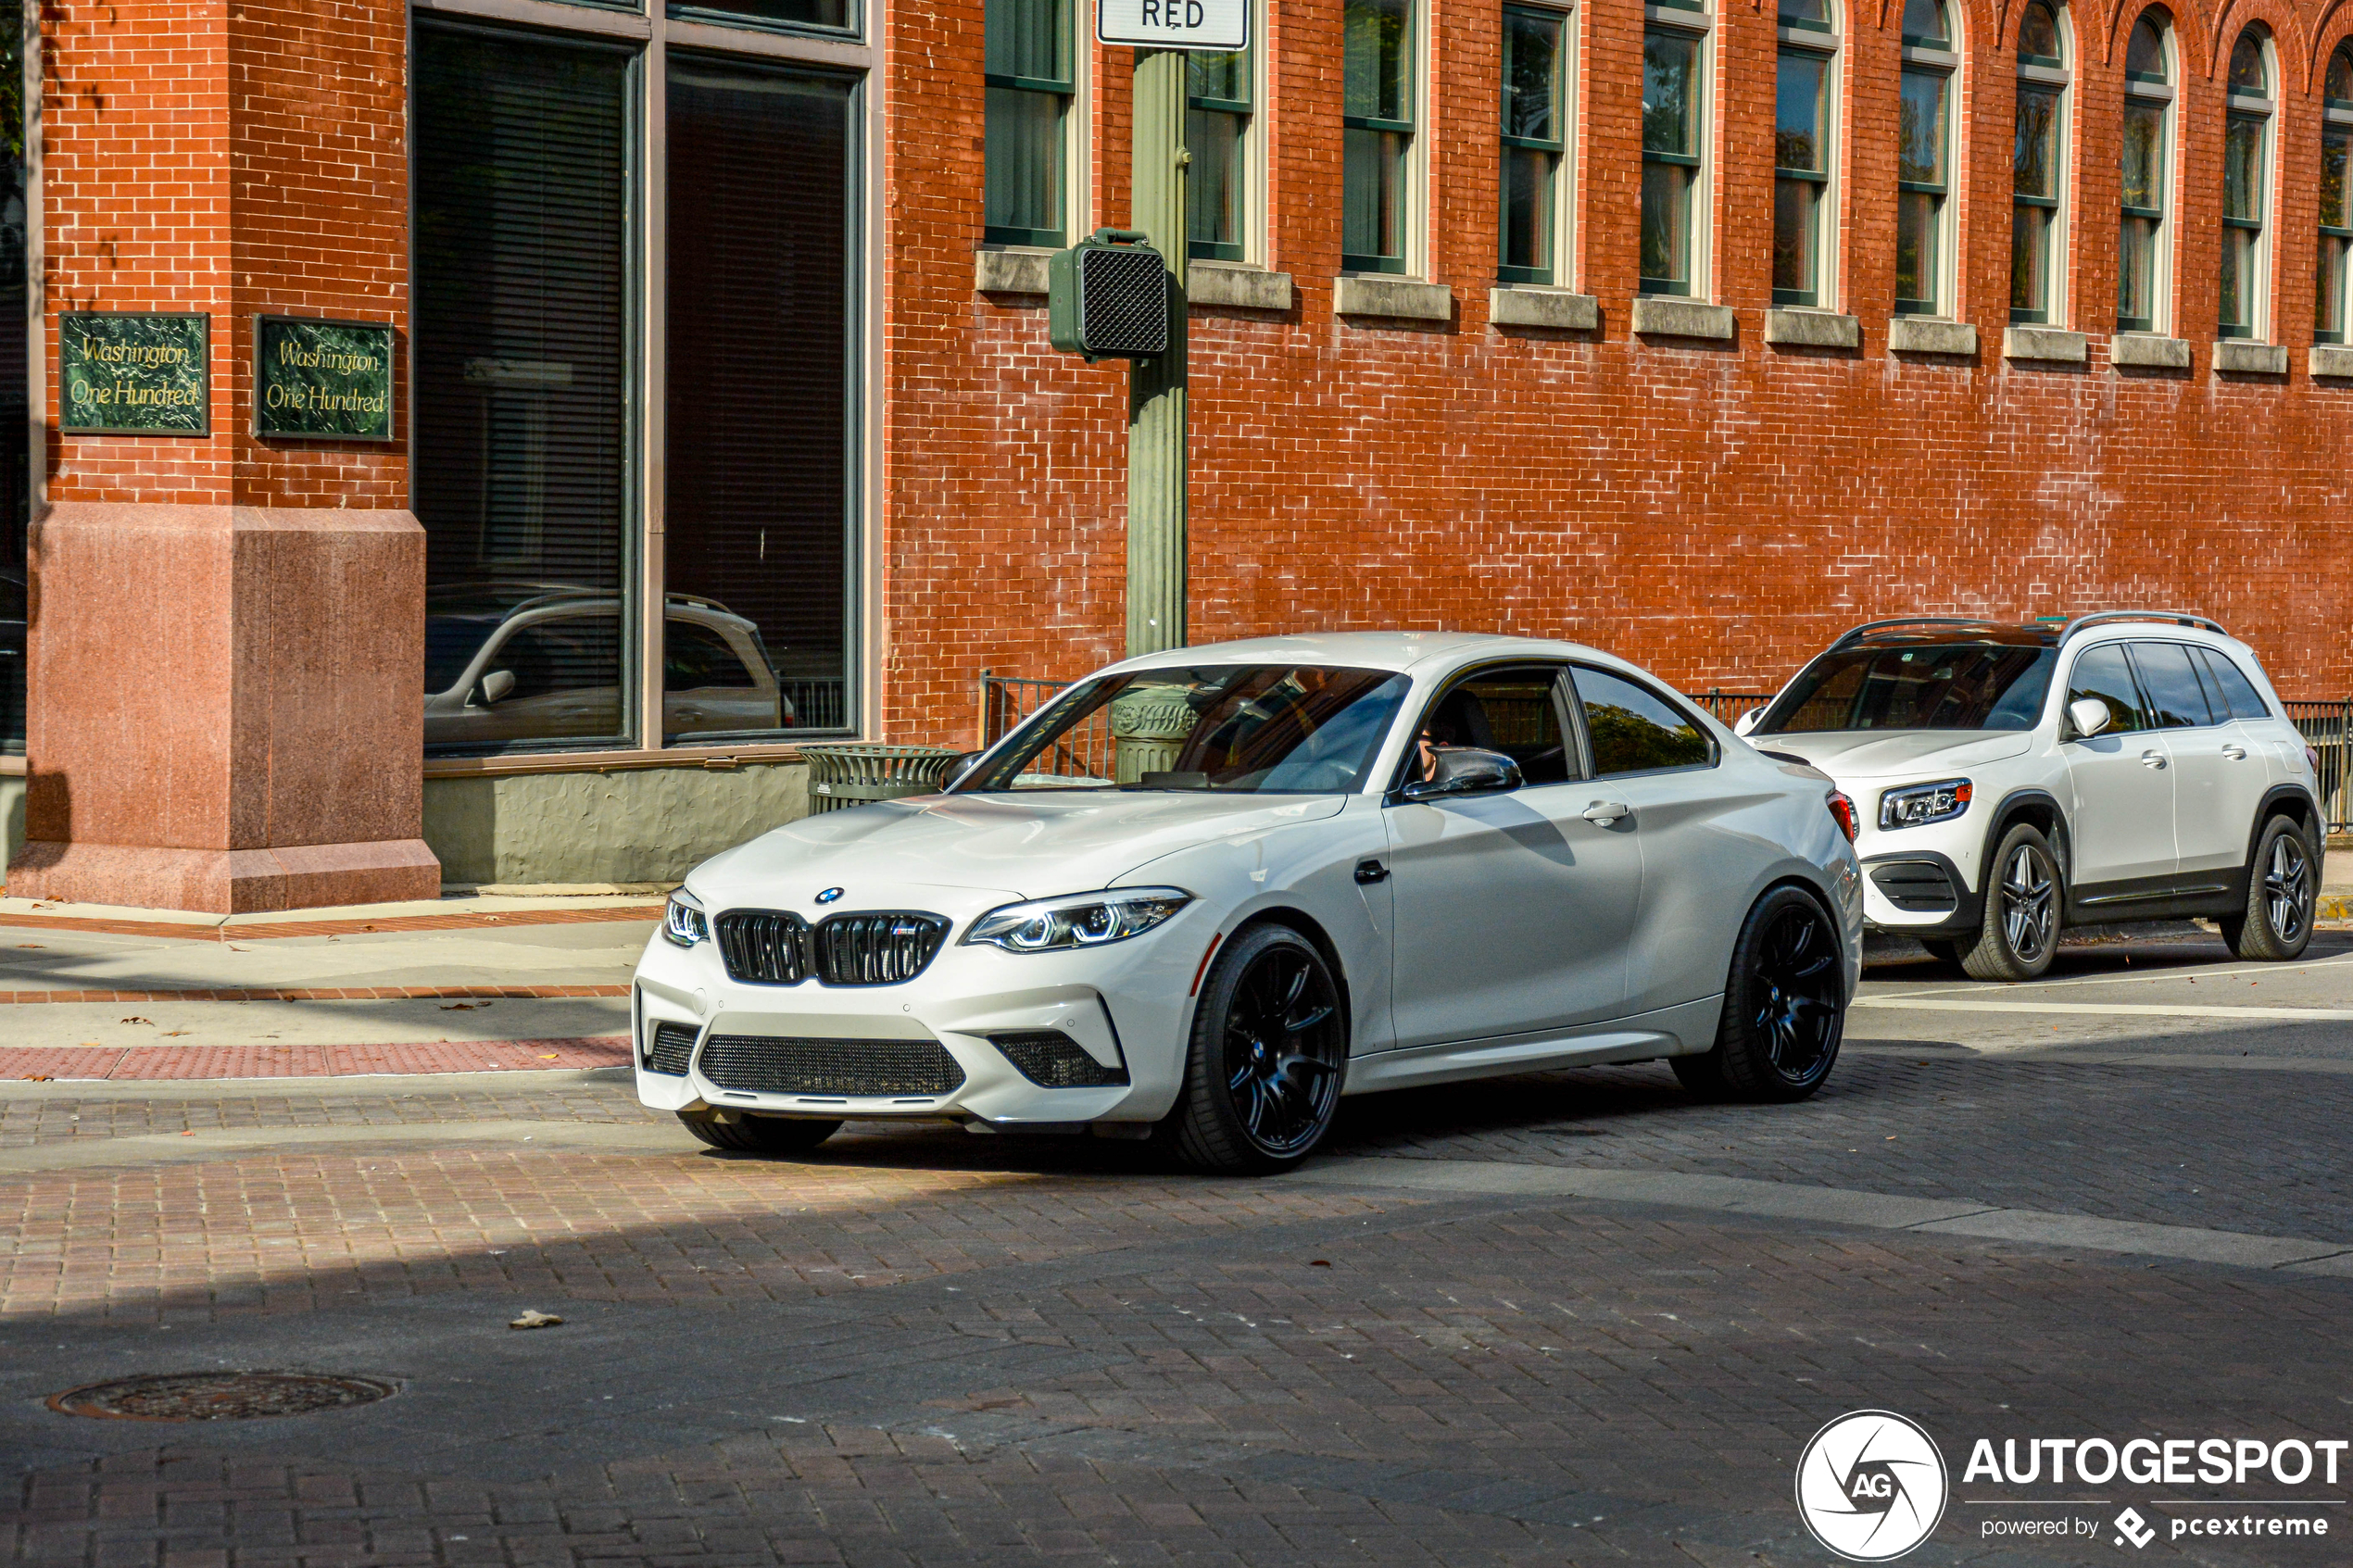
[1513, 711]
[2176, 700]
[2230, 684]
[693, 658]
[2102, 673]
[1634, 729]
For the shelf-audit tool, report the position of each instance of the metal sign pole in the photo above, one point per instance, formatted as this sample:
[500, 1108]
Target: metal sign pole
[1156, 471]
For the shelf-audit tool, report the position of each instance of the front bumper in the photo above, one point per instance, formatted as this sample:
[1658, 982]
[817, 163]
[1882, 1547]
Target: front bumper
[1123, 1004]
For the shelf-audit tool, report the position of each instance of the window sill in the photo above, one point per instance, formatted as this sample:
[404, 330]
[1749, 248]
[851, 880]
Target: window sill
[2149, 351]
[1004, 270]
[1812, 329]
[715, 757]
[2332, 361]
[2054, 345]
[1238, 285]
[1398, 298]
[1658, 315]
[1930, 334]
[2242, 356]
[1531, 305]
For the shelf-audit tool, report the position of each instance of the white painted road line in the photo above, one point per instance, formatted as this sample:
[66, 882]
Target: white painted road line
[2110, 1009]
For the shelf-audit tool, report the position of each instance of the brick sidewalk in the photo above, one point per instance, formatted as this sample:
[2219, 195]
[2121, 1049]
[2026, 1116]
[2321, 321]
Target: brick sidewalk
[310, 1061]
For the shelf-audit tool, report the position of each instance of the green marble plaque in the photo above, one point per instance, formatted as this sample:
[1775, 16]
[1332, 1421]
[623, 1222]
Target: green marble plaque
[322, 379]
[125, 374]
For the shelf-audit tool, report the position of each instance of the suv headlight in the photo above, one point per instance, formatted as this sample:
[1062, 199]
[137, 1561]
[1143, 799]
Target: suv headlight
[1915, 805]
[681, 919]
[1077, 919]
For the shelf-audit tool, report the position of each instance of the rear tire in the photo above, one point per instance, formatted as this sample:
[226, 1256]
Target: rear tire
[1268, 1054]
[2282, 888]
[759, 1134]
[1784, 1007]
[2018, 934]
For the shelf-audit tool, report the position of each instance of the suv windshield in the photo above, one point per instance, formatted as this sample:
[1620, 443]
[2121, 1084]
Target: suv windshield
[1950, 686]
[1249, 729]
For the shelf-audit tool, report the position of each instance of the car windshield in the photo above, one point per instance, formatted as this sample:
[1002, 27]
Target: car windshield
[1247, 729]
[1953, 686]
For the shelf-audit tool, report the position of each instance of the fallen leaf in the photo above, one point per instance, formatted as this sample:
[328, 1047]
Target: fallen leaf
[1320, 1263]
[458, 1007]
[34, 945]
[548, 1057]
[98, 1043]
[535, 1320]
[148, 1021]
[36, 1077]
[189, 1134]
[170, 1033]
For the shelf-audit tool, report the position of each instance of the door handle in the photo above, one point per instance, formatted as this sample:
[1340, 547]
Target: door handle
[2236, 753]
[1608, 812]
[1369, 872]
[2152, 759]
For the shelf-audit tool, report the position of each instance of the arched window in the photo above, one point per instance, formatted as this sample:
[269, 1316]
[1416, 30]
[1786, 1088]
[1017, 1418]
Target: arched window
[2145, 246]
[2336, 217]
[1923, 161]
[2247, 187]
[1804, 130]
[2038, 164]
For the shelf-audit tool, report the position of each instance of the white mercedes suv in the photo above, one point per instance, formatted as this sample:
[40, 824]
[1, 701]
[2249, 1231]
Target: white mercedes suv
[2015, 780]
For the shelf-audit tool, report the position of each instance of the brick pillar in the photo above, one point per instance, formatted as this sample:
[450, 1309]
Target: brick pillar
[226, 650]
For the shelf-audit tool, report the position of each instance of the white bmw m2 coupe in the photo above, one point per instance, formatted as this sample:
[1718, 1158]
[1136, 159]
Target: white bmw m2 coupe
[1203, 894]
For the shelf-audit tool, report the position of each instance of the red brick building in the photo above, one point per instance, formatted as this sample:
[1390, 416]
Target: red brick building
[721, 414]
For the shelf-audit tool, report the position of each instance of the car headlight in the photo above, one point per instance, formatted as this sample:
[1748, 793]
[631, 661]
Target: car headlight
[1915, 805]
[1077, 919]
[682, 920]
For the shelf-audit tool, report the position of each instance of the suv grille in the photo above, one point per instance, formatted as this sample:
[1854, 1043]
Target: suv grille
[876, 949]
[1052, 1059]
[763, 946]
[782, 1065]
[672, 1049]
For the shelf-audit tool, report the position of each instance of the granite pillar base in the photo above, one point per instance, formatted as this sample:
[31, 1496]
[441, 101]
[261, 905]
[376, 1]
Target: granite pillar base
[228, 882]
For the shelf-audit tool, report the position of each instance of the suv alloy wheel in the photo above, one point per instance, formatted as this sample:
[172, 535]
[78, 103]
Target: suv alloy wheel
[2282, 887]
[2018, 934]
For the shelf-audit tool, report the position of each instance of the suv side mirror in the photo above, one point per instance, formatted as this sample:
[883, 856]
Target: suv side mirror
[958, 766]
[1465, 769]
[2089, 715]
[1747, 721]
[498, 686]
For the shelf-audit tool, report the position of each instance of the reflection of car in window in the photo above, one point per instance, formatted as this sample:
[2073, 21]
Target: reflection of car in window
[503, 667]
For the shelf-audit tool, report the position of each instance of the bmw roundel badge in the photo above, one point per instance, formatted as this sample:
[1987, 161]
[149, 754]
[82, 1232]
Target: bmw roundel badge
[829, 895]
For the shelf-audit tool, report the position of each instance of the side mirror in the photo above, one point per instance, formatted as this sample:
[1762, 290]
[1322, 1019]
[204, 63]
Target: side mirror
[2089, 715]
[958, 766]
[1747, 721]
[498, 686]
[1465, 770]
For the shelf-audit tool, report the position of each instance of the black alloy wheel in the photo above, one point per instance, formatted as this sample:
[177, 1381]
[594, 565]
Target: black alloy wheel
[2017, 935]
[1784, 1007]
[2283, 887]
[759, 1134]
[1269, 1050]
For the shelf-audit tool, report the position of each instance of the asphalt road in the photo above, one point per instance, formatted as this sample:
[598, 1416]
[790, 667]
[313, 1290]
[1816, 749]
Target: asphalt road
[1571, 1317]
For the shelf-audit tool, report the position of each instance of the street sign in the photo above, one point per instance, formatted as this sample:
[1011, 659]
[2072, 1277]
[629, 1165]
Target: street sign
[1217, 27]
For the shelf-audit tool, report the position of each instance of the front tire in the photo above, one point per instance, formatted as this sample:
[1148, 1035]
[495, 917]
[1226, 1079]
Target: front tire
[2281, 890]
[1784, 1007]
[2018, 934]
[775, 1135]
[1269, 1050]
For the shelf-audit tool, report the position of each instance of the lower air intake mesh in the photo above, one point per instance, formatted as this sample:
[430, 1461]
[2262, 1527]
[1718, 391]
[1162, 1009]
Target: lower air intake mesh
[672, 1049]
[1052, 1059]
[772, 1064]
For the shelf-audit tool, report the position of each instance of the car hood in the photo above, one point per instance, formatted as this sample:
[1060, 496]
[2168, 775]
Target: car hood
[1876, 754]
[1029, 845]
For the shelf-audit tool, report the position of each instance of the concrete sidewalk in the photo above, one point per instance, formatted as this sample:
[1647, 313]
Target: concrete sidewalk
[464, 983]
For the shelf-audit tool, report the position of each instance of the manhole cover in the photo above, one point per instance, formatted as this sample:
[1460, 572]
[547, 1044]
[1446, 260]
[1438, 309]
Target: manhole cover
[219, 1395]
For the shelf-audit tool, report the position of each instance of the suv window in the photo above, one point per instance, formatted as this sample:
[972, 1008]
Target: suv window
[1634, 729]
[568, 654]
[2177, 700]
[2102, 673]
[1513, 711]
[2228, 689]
[694, 656]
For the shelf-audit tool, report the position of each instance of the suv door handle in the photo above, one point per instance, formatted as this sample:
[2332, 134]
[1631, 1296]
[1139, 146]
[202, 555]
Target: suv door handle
[1608, 812]
[1368, 872]
[2235, 752]
[2152, 759]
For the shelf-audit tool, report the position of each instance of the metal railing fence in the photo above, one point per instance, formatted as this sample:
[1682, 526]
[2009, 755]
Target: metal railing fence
[2327, 728]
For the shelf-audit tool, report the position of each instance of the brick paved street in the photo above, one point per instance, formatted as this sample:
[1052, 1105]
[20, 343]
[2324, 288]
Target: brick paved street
[1567, 1318]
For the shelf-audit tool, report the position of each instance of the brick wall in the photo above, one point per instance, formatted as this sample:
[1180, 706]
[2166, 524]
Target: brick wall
[1716, 511]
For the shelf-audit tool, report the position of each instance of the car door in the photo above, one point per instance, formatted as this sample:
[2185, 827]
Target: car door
[2208, 761]
[2267, 746]
[2121, 824]
[1509, 913]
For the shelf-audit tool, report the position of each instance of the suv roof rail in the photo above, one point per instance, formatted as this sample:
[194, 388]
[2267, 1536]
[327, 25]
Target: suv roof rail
[1865, 630]
[2176, 617]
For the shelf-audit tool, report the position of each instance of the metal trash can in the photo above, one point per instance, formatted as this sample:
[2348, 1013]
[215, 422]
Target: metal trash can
[842, 776]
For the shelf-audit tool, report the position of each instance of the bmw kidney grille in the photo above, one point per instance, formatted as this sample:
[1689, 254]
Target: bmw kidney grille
[778, 947]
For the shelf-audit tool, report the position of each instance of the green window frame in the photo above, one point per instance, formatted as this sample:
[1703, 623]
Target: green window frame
[2330, 269]
[2142, 237]
[1805, 80]
[1030, 83]
[1220, 92]
[1673, 66]
[2038, 165]
[1536, 46]
[1377, 133]
[2247, 135]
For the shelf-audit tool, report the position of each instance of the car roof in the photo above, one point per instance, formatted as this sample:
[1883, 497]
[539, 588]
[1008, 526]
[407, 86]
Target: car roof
[1414, 652]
